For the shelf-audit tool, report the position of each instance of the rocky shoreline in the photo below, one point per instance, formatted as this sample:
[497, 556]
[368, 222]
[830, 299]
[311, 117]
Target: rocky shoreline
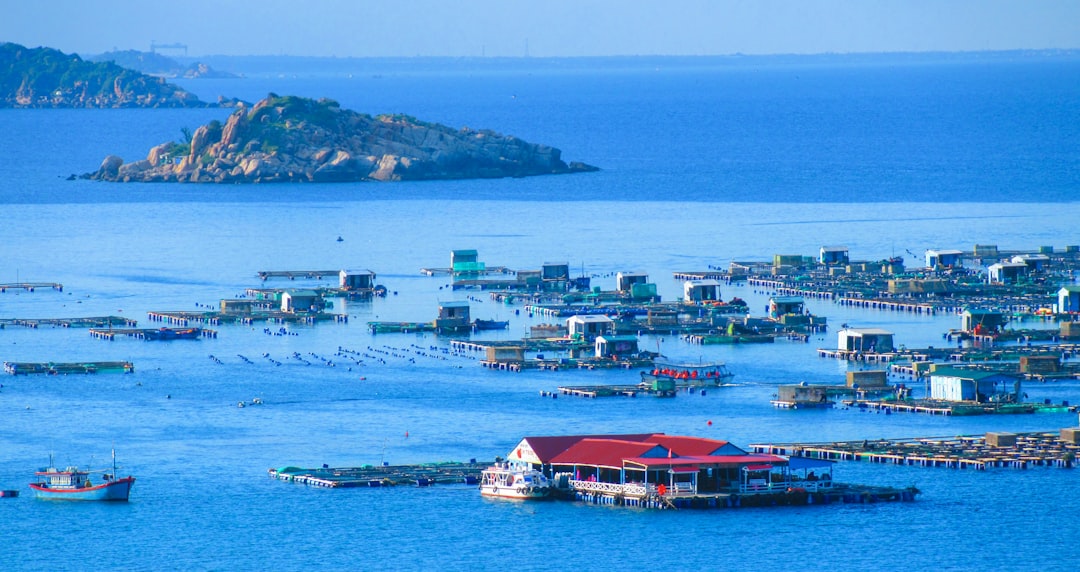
[295, 139]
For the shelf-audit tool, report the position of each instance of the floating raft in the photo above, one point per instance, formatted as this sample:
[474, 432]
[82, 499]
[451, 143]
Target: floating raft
[184, 318]
[386, 475]
[294, 274]
[53, 368]
[1013, 450]
[154, 334]
[94, 322]
[30, 286]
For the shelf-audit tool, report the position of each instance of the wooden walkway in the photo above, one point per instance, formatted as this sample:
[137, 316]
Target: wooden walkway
[964, 452]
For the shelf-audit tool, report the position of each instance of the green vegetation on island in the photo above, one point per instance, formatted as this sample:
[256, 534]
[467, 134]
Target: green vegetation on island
[44, 77]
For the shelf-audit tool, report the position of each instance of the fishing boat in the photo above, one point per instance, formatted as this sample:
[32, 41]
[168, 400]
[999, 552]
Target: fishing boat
[513, 482]
[490, 324]
[73, 483]
[702, 373]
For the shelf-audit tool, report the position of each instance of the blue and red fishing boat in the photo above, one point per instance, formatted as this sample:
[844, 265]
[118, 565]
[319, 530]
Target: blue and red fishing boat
[73, 483]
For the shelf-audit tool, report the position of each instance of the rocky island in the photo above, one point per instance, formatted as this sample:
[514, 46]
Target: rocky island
[44, 77]
[295, 139]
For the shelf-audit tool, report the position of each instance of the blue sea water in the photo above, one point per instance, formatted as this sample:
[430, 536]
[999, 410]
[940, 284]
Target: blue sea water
[703, 160]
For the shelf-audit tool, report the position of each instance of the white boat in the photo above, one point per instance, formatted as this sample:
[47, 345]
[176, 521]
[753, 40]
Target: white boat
[513, 482]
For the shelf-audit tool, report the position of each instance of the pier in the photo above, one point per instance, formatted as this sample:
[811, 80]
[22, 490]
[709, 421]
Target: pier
[385, 475]
[55, 368]
[1008, 450]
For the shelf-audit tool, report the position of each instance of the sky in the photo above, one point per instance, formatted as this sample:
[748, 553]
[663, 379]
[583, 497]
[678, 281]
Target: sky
[541, 28]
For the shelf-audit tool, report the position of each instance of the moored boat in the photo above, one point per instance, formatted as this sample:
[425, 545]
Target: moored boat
[704, 373]
[73, 483]
[513, 482]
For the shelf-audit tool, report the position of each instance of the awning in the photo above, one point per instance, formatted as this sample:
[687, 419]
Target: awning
[799, 463]
[758, 468]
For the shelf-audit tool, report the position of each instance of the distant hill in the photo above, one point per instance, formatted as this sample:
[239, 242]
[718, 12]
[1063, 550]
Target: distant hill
[44, 77]
[295, 139]
[152, 63]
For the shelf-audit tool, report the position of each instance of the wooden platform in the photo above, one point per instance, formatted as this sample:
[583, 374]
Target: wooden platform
[294, 274]
[386, 475]
[964, 452]
[155, 334]
[55, 368]
[92, 322]
[30, 286]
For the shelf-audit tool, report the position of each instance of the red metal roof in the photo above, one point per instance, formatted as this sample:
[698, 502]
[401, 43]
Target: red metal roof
[546, 448]
[603, 452]
[707, 461]
[688, 446]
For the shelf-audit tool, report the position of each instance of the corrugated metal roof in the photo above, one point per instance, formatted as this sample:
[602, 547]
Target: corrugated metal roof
[688, 446]
[605, 452]
[546, 448]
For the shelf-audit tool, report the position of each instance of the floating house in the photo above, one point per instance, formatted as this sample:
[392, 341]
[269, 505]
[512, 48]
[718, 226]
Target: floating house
[616, 346]
[453, 316]
[943, 258]
[351, 280]
[1006, 272]
[833, 255]
[637, 469]
[1034, 262]
[981, 321]
[466, 262]
[698, 291]
[293, 301]
[951, 384]
[783, 305]
[1069, 299]
[237, 306]
[624, 281]
[590, 326]
[555, 276]
[865, 340]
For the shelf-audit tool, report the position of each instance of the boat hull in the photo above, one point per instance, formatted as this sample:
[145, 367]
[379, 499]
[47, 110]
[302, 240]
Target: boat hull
[522, 493]
[117, 490]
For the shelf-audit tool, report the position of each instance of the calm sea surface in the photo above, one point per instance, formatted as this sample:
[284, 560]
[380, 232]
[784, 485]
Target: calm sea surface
[703, 162]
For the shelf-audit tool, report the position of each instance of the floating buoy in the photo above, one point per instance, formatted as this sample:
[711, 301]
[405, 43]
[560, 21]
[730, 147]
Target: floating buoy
[709, 423]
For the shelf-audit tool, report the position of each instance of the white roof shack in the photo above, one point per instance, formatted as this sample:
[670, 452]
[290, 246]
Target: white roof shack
[865, 339]
[590, 326]
[935, 258]
[701, 291]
